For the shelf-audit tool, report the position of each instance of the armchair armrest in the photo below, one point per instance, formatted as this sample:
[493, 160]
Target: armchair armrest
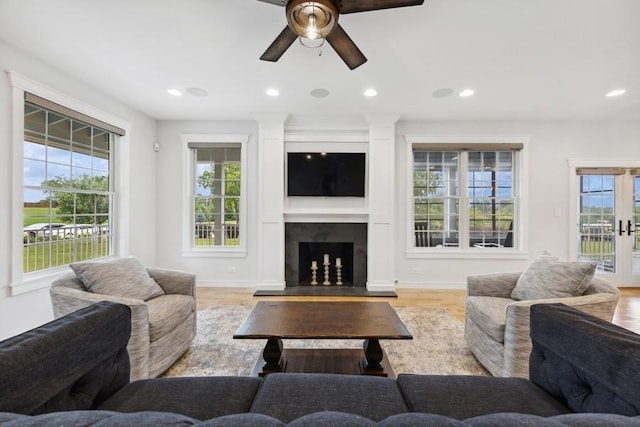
[517, 341]
[174, 281]
[66, 300]
[492, 285]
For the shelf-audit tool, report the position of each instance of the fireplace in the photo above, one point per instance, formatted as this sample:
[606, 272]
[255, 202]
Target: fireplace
[313, 253]
[309, 242]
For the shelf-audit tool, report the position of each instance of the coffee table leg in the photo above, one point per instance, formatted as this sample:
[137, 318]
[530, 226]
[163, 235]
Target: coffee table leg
[373, 356]
[271, 354]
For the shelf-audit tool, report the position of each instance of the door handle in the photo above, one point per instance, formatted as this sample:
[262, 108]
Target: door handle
[629, 230]
[620, 229]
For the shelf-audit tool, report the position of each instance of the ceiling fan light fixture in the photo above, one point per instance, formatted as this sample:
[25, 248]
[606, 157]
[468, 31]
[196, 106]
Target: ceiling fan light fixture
[311, 43]
[312, 20]
[311, 31]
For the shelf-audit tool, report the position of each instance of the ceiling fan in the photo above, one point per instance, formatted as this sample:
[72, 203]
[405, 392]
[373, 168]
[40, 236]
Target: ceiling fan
[318, 20]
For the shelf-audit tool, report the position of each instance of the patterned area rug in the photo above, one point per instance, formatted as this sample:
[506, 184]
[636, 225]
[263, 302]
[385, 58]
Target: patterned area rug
[438, 345]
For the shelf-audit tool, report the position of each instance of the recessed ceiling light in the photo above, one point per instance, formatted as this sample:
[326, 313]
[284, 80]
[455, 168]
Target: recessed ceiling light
[196, 91]
[371, 92]
[174, 92]
[272, 92]
[466, 93]
[616, 92]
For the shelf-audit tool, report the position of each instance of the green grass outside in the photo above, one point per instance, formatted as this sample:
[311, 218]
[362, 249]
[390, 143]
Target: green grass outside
[35, 215]
[209, 243]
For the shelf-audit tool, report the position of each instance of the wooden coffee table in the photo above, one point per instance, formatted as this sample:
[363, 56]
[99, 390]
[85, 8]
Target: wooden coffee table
[368, 321]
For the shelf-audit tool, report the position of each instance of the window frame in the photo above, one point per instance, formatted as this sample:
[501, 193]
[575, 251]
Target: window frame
[484, 143]
[63, 152]
[27, 282]
[188, 208]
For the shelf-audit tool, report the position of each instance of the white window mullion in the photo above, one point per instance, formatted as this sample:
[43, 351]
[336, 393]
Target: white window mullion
[463, 241]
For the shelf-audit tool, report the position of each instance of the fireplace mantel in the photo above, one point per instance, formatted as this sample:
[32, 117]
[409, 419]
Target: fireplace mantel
[376, 210]
[325, 216]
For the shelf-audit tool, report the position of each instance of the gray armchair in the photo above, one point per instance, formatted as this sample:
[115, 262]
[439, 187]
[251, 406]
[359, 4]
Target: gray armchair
[497, 327]
[162, 328]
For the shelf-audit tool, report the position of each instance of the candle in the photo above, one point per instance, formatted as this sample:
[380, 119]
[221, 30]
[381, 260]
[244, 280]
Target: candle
[326, 258]
[314, 264]
[338, 262]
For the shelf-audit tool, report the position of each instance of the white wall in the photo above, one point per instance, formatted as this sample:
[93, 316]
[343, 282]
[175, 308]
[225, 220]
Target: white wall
[218, 270]
[551, 146]
[22, 312]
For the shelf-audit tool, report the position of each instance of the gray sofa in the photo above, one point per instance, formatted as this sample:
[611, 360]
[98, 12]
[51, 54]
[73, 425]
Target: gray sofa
[74, 371]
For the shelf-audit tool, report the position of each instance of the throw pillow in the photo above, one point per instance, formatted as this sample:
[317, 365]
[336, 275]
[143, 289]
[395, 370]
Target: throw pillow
[549, 277]
[123, 277]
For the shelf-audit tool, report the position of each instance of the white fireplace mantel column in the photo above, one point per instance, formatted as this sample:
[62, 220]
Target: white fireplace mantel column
[380, 246]
[271, 201]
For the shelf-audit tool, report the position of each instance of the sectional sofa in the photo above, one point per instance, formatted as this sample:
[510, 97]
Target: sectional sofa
[74, 371]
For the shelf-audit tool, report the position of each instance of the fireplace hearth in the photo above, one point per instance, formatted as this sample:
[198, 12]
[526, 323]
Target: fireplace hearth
[308, 242]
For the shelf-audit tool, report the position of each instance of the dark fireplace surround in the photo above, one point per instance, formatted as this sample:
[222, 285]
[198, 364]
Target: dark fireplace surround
[307, 242]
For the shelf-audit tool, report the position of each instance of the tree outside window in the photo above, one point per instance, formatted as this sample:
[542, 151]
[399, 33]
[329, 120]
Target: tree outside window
[217, 196]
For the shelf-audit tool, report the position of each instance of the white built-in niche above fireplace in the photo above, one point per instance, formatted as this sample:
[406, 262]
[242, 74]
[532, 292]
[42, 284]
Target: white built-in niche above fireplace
[328, 208]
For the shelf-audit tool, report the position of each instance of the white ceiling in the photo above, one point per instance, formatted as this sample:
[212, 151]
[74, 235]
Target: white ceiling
[526, 59]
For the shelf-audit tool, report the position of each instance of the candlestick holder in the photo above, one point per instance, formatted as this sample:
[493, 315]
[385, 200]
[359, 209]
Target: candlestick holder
[326, 274]
[339, 275]
[314, 275]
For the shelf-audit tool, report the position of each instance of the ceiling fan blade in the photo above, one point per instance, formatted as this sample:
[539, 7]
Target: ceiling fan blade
[279, 45]
[345, 48]
[353, 6]
[276, 2]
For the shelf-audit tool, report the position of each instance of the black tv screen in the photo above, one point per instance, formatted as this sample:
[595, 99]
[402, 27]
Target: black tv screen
[326, 174]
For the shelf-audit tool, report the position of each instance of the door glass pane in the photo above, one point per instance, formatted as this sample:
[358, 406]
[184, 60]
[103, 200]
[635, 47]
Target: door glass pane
[635, 257]
[596, 228]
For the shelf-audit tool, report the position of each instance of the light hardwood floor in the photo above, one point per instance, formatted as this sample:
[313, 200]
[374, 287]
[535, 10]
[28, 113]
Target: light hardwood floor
[627, 312]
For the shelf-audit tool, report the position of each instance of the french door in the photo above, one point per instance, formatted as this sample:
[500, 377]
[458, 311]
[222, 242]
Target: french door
[608, 216]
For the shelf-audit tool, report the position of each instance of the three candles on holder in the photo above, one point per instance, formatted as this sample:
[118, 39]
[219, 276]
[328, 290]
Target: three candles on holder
[314, 264]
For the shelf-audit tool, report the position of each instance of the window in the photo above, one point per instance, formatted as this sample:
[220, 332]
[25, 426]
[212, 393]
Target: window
[216, 204]
[67, 186]
[464, 196]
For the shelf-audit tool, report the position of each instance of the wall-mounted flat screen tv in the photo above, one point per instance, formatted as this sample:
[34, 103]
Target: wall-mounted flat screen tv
[326, 174]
